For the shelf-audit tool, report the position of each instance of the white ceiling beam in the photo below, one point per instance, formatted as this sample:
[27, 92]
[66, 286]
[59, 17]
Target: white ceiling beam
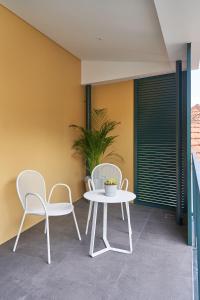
[180, 24]
[94, 72]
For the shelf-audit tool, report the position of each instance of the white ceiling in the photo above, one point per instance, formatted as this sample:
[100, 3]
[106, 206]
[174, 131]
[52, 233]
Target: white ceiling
[128, 29]
[118, 39]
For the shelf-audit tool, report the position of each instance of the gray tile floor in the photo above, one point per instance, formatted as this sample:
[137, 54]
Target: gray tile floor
[160, 267]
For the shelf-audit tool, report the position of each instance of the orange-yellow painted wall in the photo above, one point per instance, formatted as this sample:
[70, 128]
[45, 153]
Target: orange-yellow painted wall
[118, 99]
[40, 95]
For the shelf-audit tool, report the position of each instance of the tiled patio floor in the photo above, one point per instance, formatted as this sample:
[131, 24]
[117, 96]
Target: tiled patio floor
[160, 267]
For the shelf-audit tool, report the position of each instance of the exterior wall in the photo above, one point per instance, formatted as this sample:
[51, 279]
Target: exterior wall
[118, 99]
[40, 96]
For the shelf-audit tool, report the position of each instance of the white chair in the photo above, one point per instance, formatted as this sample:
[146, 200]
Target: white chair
[32, 194]
[99, 175]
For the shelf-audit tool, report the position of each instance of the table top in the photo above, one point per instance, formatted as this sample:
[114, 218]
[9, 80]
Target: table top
[99, 196]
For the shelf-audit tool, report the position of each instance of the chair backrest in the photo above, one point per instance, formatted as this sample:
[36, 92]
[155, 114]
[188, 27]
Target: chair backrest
[103, 172]
[30, 181]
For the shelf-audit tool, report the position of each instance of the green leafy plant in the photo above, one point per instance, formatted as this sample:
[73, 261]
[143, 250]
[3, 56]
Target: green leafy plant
[92, 144]
[111, 181]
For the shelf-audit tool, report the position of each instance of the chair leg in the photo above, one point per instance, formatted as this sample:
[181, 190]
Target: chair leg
[76, 224]
[20, 229]
[48, 240]
[89, 216]
[122, 210]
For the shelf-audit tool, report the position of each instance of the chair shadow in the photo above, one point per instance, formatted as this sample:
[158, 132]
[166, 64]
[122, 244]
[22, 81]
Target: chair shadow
[13, 212]
[11, 198]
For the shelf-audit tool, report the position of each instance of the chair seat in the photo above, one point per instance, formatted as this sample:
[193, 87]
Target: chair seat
[53, 209]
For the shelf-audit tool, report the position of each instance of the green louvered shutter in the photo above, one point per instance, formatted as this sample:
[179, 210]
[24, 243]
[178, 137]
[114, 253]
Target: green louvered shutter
[155, 135]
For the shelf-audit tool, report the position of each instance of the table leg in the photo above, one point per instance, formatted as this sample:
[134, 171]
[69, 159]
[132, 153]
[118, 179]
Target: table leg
[122, 210]
[94, 220]
[105, 217]
[129, 226]
[105, 239]
[89, 216]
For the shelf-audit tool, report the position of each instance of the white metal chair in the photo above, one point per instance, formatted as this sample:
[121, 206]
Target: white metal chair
[99, 175]
[32, 194]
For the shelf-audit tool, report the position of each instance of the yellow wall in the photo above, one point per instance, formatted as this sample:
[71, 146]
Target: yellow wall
[40, 95]
[118, 99]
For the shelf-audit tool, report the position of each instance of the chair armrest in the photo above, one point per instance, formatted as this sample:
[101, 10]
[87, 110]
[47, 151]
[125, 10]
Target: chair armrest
[39, 197]
[91, 185]
[124, 181]
[63, 185]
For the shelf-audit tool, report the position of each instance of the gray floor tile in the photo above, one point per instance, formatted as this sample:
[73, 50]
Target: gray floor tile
[144, 284]
[159, 267]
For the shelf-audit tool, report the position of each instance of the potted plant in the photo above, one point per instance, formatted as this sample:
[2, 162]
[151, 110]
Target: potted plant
[93, 144]
[110, 186]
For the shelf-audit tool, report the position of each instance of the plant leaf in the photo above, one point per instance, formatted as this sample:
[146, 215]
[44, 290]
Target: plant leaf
[93, 143]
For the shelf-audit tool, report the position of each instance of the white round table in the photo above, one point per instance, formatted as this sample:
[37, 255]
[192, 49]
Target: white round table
[98, 196]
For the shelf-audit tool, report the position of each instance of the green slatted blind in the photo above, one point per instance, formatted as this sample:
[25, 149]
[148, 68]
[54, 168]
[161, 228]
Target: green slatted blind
[155, 114]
